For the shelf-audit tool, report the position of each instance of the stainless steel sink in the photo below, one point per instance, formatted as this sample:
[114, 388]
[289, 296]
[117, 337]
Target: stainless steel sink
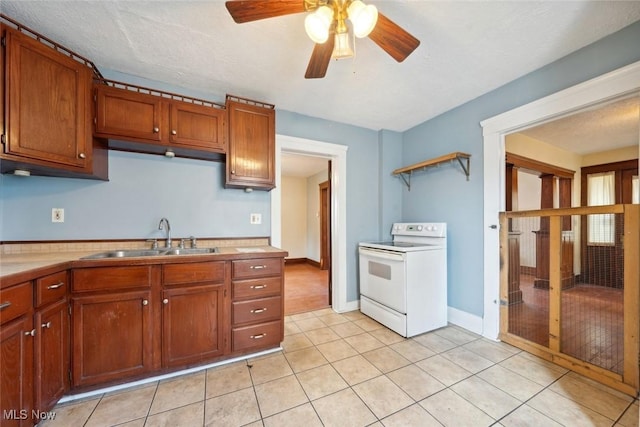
[189, 251]
[124, 254]
[151, 252]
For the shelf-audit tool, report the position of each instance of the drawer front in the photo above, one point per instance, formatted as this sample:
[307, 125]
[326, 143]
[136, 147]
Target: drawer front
[264, 335]
[259, 310]
[15, 301]
[256, 267]
[193, 272]
[111, 278]
[257, 288]
[51, 288]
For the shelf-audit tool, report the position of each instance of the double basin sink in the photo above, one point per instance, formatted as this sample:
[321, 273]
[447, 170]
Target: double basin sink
[151, 252]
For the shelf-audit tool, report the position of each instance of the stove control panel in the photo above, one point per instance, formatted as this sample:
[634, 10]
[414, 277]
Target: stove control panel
[430, 229]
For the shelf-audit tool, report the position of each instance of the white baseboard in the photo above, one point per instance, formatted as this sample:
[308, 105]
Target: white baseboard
[350, 306]
[465, 320]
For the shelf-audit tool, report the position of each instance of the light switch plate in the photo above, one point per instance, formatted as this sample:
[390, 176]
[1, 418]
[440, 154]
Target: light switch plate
[255, 218]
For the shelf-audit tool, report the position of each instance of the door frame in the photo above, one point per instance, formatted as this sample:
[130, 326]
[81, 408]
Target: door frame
[338, 155]
[616, 83]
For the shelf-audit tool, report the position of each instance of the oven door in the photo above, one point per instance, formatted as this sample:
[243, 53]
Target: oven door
[383, 277]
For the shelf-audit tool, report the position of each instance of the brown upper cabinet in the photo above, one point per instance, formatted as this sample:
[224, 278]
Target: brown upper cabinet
[135, 114]
[47, 121]
[252, 142]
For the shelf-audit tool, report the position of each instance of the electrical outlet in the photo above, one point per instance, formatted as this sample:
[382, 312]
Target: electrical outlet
[255, 218]
[57, 215]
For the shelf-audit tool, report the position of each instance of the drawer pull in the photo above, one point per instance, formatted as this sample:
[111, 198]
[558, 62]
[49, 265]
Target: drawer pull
[30, 333]
[258, 267]
[258, 286]
[257, 337]
[4, 305]
[46, 325]
[259, 310]
[57, 286]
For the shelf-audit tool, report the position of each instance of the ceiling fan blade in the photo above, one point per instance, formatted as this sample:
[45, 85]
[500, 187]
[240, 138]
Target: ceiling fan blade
[393, 39]
[253, 10]
[320, 58]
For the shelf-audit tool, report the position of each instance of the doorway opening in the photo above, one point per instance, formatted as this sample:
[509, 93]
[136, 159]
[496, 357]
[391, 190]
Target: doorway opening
[305, 219]
[337, 155]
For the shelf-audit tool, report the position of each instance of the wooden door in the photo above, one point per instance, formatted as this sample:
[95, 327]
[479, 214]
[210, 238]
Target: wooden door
[47, 95]
[122, 113]
[193, 324]
[251, 150]
[112, 336]
[197, 126]
[325, 225]
[16, 372]
[51, 355]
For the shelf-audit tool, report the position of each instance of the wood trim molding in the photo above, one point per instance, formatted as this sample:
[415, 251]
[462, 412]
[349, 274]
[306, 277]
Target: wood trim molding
[538, 166]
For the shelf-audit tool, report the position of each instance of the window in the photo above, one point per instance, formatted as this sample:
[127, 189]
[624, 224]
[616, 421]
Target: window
[601, 191]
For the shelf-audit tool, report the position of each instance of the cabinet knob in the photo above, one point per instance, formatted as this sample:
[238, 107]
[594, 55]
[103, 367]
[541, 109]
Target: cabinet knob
[56, 286]
[30, 333]
[82, 156]
[174, 132]
[46, 325]
[233, 172]
[165, 301]
[156, 129]
[145, 302]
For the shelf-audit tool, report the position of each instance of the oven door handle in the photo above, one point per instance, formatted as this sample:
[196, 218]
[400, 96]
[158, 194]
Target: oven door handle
[382, 254]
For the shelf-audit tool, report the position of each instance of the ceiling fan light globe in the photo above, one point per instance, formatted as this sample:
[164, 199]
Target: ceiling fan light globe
[318, 23]
[363, 18]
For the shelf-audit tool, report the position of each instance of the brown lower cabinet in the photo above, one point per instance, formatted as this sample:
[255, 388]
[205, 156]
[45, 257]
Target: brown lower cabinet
[127, 322]
[111, 337]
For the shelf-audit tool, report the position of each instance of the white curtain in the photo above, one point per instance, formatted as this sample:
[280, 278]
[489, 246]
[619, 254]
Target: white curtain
[601, 191]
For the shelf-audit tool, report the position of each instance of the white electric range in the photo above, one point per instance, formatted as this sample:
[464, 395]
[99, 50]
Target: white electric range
[403, 283]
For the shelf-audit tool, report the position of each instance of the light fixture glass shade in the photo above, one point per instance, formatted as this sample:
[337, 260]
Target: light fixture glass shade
[318, 23]
[342, 48]
[362, 17]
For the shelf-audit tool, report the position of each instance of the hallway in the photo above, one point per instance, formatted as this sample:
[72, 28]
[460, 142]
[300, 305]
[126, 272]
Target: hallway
[306, 288]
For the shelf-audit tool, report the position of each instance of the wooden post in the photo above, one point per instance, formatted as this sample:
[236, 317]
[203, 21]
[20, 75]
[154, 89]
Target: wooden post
[555, 282]
[631, 371]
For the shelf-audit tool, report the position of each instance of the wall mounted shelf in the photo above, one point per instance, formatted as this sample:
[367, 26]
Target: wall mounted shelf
[462, 158]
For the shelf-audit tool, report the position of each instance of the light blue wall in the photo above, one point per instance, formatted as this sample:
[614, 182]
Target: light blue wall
[443, 194]
[143, 188]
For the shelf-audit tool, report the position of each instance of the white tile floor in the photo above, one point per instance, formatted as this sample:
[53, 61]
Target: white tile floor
[347, 370]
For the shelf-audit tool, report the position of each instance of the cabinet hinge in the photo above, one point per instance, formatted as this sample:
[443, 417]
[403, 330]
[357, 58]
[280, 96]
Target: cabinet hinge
[4, 41]
[69, 374]
[2, 139]
[69, 307]
[225, 293]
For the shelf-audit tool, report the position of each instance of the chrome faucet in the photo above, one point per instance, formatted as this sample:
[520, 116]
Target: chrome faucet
[160, 227]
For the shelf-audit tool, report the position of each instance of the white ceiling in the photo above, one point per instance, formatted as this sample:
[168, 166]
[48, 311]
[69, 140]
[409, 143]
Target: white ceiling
[302, 166]
[608, 126]
[468, 48]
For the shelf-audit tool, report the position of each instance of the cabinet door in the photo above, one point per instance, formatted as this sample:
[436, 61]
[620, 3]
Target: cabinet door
[251, 151]
[16, 372]
[194, 326]
[122, 113]
[197, 126]
[112, 337]
[47, 95]
[51, 355]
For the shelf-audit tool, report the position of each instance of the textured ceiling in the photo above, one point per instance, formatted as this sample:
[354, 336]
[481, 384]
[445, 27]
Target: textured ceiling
[468, 48]
[608, 126]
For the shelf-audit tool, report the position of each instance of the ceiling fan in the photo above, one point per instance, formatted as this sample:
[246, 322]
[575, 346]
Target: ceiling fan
[326, 26]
